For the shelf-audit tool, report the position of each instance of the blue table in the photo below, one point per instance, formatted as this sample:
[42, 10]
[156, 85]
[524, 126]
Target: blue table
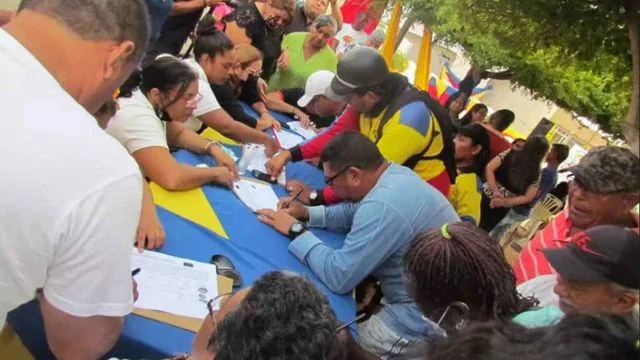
[253, 247]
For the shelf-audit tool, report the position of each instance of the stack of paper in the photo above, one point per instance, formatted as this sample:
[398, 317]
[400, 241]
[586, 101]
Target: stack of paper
[254, 157]
[174, 285]
[256, 195]
[305, 133]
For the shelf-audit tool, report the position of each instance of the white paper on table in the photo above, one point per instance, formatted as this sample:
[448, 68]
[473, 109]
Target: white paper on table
[256, 195]
[288, 140]
[174, 285]
[305, 133]
[254, 157]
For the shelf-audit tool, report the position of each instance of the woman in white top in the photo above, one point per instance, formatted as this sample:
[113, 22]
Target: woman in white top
[214, 62]
[150, 233]
[152, 117]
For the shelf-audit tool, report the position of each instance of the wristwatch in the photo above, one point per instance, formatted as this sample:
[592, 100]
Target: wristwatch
[315, 198]
[296, 229]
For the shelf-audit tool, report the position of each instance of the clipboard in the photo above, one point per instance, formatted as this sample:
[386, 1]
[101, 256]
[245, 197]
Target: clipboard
[192, 324]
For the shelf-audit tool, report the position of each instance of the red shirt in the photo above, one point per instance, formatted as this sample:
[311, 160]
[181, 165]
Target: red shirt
[532, 262]
[497, 142]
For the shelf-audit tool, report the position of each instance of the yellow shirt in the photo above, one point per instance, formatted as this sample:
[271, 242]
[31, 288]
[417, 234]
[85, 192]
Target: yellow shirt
[466, 195]
[406, 134]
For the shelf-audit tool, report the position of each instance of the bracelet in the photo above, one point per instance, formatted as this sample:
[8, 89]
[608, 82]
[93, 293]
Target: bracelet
[211, 143]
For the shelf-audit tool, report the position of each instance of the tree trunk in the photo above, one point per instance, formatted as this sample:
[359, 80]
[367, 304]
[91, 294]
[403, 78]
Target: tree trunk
[633, 117]
[403, 32]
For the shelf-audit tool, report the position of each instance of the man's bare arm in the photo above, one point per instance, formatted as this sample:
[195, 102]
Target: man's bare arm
[73, 337]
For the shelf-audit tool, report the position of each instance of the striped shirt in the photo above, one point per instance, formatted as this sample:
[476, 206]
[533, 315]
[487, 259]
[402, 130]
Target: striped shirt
[532, 262]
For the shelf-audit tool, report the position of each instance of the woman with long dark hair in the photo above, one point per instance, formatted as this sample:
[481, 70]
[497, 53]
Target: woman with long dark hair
[475, 115]
[454, 105]
[151, 117]
[512, 178]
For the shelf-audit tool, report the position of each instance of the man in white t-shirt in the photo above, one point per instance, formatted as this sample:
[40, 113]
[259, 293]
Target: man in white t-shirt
[70, 195]
[352, 35]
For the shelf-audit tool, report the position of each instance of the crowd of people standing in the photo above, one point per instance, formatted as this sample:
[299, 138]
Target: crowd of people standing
[421, 192]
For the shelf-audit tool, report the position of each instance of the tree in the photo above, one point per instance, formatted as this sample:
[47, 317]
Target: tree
[576, 53]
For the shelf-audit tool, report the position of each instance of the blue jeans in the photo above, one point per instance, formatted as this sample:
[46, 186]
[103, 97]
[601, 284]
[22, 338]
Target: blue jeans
[505, 224]
[374, 336]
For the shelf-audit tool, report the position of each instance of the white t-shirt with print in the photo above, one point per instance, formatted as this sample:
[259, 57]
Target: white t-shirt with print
[349, 38]
[208, 101]
[70, 197]
[136, 125]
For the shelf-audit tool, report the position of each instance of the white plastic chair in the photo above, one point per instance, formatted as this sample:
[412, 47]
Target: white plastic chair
[539, 215]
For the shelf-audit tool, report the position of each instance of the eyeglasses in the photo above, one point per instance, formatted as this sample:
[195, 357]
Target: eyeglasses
[329, 180]
[193, 100]
[215, 304]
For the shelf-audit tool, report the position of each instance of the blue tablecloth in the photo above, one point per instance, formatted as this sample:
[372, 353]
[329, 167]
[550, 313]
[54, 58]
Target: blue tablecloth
[253, 247]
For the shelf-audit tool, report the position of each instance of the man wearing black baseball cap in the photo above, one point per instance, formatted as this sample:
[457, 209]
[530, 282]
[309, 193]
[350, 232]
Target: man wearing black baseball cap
[407, 125]
[603, 191]
[598, 272]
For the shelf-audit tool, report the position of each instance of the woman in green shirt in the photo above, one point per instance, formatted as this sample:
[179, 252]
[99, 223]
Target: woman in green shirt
[307, 53]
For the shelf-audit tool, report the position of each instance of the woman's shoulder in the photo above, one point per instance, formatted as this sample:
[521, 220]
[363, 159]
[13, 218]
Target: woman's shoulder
[135, 113]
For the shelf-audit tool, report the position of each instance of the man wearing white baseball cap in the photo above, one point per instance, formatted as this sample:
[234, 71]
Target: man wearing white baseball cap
[312, 99]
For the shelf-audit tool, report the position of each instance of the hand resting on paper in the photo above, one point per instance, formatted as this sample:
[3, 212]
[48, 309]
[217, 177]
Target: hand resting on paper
[279, 220]
[224, 176]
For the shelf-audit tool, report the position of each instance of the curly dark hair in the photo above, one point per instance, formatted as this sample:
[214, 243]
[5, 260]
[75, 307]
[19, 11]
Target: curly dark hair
[284, 316]
[576, 337]
[462, 263]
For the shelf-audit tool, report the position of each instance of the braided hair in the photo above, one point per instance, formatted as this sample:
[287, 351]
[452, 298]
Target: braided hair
[461, 262]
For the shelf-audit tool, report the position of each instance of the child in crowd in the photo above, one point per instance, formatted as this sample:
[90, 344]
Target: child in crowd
[472, 155]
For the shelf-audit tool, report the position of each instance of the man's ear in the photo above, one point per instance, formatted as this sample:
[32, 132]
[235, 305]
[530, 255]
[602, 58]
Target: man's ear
[117, 56]
[354, 175]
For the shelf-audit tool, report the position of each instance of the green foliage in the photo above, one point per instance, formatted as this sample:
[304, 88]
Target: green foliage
[399, 62]
[573, 52]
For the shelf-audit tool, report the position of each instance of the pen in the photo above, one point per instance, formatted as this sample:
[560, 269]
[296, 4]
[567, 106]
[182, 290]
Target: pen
[135, 272]
[275, 135]
[294, 198]
[358, 318]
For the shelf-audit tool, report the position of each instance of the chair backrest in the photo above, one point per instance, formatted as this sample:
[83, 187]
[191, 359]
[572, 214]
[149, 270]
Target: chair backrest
[545, 209]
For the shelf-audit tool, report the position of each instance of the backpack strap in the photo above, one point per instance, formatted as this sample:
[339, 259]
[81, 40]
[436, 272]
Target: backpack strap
[412, 94]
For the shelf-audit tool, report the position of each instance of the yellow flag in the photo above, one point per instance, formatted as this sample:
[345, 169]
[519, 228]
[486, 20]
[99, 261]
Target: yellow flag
[389, 41]
[191, 205]
[423, 66]
[209, 133]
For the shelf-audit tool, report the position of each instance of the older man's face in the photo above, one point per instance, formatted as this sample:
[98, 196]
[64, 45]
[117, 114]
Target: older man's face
[585, 297]
[588, 208]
